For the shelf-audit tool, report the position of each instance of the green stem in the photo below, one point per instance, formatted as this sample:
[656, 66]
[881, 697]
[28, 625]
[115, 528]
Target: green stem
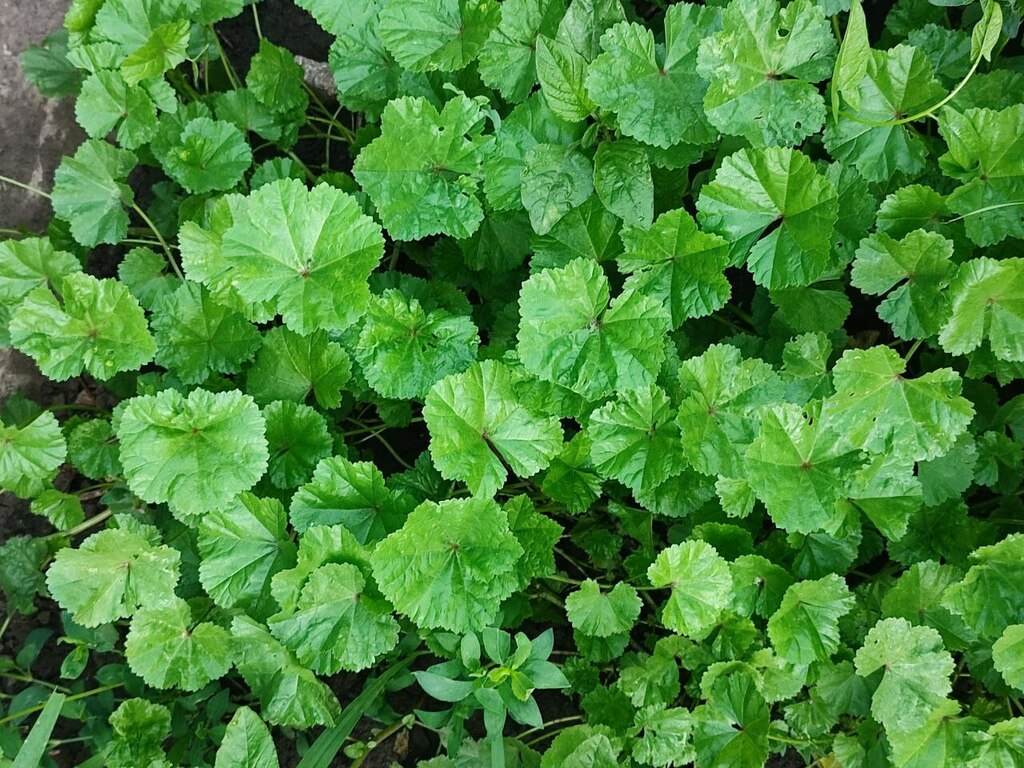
[85, 694]
[160, 239]
[309, 174]
[31, 680]
[913, 348]
[92, 522]
[986, 209]
[5, 625]
[256, 21]
[139, 241]
[545, 731]
[563, 579]
[26, 187]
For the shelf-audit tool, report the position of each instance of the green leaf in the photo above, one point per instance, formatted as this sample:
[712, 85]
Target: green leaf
[585, 23]
[731, 730]
[701, 585]
[130, 23]
[805, 628]
[310, 251]
[479, 429]
[1008, 655]
[107, 101]
[31, 263]
[404, 349]
[655, 90]
[89, 192]
[634, 439]
[555, 180]
[276, 79]
[421, 172]
[110, 575]
[876, 408]
[289, 693]
[297, 439]
[888, 493]
[666, 737]
[93, 449]
[194, 453]
[677, 263]
[723, 396]
[450, 565]
[35, 746]
[425, 35]
[352, 494]
[507, 59]
[799, 469]
[144, 271]
[293, 367]
[582, 746]
[986, 154]
[915, 673]
[562, 72]
[196, 336]
[570, 334]
[601, 615]
[166, 48]
[21, 564]
[761, 67]
[140, 729]
[571, 478]
[1002, 745]
[945, 738]
[247, 743]
[211, 155]
[242, 545]
[46, 66]
[622, 180]
[991, 596]
[31, 455]
[168, 650]
[775, 207]
[537, 534]
[852, 60]
[95, 325]
[63, 510]
[986, 32]
[921, 266]
[917, 597]
[988, 305]
[897, 83]
[335, 624]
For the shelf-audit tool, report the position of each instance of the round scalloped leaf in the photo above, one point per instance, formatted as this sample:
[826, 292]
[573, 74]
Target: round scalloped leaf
[555, 180]
[805, 628]
[761, 67]
[507, 59]
[89, 192]
[95, 325]
[601, 615]
[799, 470]
[352, 494]
[478, 427]
[991, 596]
[422, 171]
[335, 625]
[241, 547]
[290, 366]
[450, 565]
[211, 155]
[700, 582]
[732, 729]
[570, 334]
[988, 304]
[1008, 655]
[654, 89]
[675, 262]
[298, 439]
[289, 693]
[879, 410]
[93, 449]
[167, 650]
[404, 349]
[110, 575]
[106, 101]
[775, 208]
[441, 35]
[635, 440]
[31, 263]
[196, 336]
[915, 673]
[309, 250]
[194, 453]
[31, 455]
[915, 272]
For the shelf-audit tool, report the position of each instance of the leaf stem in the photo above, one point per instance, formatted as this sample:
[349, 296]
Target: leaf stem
[256, 21]
[160, 239]
[85, 694]
[912, 350]
[5, 625]
[543, 730]
[377, 740]
[310, 176]
[26, 187]
[986, 209]
[92, 522]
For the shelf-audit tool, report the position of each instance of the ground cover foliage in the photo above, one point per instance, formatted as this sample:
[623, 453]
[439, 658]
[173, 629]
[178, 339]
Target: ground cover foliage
[590, 385]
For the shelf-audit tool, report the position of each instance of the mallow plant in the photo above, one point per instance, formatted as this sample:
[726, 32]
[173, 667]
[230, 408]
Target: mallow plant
[583, 383]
